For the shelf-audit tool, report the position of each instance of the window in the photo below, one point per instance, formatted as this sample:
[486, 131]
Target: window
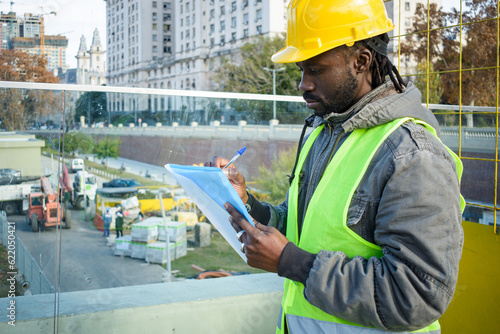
[154, 26]
[154, 17]
[212, 42]
[167, 17]
[259, 29]
[222, 10]
[245, 33]
[233, 36]
[187, 21]
[222, 40]
[233, 6]
[166, 5]
[407, 6]
[212, 29]
[407, 22]
[233, 22]
[167, 38]
[258, 14]
[222, 25]
[212, 14]
[155, 48]
[155, 38]
[154, 4]
[245, 19]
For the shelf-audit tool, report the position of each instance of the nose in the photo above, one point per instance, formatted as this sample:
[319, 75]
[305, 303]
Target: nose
[306, 84]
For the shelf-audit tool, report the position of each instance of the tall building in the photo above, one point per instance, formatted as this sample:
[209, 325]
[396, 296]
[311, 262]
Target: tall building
[9, 28]
[91, 63]
[403, 19]
[179, 44]
[25, 34]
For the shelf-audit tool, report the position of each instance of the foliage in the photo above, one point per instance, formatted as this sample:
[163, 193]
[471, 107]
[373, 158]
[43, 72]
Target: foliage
[245, 73]
[21, 107]
[107, 148]
[78, 141]
[433, 81]
[273, 181]
[93, 104]
[476, 85]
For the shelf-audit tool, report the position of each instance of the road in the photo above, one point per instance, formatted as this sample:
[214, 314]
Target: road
[158, 173]
[86, 262]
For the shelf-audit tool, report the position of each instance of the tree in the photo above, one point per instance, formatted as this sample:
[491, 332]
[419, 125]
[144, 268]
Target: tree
[108, 148]
[476, 85]
[78, 142]
[245, 73]
[94, 103]
[273, 182]
[21, 107]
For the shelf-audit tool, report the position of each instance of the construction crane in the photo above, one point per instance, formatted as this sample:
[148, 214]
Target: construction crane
[42, 30]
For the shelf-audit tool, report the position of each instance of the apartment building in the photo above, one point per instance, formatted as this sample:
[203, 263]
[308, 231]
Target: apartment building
[25, 34]
[180, 44]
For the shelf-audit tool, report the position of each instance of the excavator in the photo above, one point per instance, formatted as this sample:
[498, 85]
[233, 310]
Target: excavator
[47, 209]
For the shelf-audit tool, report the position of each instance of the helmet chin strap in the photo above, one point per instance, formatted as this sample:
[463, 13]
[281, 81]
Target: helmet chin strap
[377, 44]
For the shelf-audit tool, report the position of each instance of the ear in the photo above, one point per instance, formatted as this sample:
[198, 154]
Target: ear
[363, 60]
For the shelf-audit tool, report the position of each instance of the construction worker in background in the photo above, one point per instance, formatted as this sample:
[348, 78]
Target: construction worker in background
[119, 223]
[107, 218]
[369, 238]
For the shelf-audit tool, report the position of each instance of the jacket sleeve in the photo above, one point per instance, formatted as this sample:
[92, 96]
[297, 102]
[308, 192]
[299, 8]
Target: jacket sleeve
[417, 223]
[267, 214]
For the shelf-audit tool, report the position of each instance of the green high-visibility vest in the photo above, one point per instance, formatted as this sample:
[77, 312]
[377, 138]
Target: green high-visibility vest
[325, 225]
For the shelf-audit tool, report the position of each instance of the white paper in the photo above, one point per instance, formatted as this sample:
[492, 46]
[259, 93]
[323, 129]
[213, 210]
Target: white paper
[209, 189]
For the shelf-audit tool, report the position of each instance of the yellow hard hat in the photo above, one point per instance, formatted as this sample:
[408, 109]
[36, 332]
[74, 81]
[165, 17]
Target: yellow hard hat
[316, 26]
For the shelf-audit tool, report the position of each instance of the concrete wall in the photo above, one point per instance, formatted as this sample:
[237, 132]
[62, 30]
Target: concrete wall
[21, 152]
[238, 304]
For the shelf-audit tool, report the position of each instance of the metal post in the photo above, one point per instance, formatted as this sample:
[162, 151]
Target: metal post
[274, 85]
[167, 237]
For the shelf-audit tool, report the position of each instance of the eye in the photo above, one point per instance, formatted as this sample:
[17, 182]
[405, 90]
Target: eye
[315, 70]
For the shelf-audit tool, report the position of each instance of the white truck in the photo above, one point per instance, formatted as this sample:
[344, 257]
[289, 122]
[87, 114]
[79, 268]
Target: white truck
[83, 190]
[14, 197]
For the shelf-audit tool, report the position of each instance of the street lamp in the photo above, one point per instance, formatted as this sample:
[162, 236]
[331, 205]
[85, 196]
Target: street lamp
[274, 85]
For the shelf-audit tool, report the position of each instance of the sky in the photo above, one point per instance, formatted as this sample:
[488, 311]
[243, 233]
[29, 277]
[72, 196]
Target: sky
[73, 19]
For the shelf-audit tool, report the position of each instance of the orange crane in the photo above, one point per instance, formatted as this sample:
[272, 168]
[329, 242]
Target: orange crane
[45, 209]
[42, 31]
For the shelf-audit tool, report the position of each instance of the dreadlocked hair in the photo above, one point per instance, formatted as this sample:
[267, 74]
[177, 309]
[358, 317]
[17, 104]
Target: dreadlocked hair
[381, 67]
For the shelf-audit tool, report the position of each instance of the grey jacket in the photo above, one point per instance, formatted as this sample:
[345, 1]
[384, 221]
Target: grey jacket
[407, 203]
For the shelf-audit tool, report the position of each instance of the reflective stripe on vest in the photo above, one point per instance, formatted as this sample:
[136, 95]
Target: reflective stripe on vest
[326, 216]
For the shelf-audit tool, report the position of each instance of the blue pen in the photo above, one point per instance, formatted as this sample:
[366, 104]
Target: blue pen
[236, 156]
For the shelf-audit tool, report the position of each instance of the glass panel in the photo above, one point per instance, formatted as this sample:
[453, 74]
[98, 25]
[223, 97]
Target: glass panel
[476, 184]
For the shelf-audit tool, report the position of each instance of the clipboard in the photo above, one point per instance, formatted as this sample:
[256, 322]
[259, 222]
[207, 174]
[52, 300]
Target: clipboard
[209, 189]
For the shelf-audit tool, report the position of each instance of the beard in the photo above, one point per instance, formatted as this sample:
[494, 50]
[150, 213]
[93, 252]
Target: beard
[340, 99]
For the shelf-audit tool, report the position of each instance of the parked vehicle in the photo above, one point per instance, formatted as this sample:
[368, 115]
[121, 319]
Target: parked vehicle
[121, 182]
[75, 165]
[45, 210]
[14, 197]
[10, 176]
[84, 187]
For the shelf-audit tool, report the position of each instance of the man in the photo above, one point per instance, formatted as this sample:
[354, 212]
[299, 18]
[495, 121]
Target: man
[119, 223]
[107, 218]
[373, 213]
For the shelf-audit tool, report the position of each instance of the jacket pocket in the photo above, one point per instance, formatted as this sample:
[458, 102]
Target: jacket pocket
[356, 211]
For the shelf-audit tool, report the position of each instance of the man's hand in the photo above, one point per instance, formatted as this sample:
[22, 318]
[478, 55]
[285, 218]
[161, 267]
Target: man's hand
[235, 178]
[263, 244]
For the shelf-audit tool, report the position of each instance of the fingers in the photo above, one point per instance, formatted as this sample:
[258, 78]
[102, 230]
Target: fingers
[238, 220]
